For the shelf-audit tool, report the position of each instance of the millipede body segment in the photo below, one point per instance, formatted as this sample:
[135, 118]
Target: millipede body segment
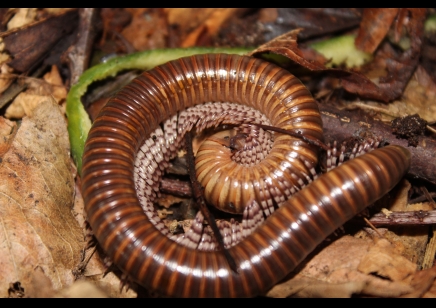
[277, 246]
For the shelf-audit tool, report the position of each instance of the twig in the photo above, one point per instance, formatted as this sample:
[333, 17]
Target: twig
[307, 139]
[198, 196]
[404, 218]
[77, 56]
[430, 251]
[342, 124]
[422, 198]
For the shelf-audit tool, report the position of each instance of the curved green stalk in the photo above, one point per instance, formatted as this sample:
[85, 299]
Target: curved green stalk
[79, 123]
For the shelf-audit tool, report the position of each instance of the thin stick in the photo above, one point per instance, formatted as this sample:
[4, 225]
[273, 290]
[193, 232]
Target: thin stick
[197, 192]
[307, 139]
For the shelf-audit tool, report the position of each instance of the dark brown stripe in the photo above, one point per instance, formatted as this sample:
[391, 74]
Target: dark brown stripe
[148, 256]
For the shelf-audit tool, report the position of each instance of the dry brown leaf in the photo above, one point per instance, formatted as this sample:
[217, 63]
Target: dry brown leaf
[424, 283]
[188, 18]
[6, 78]
[410, 241]
[309, 287]
[385, 260]
[97, 274]
[37, 91]
[336, 266]
[374, 26]
[82, 289]
[8, 130]
[38, 230]
[210, 26]
[22, 17]
[32, 42]
[141, 32]
[57, 89]
[23, 105]
[415, 99]
[4, 56]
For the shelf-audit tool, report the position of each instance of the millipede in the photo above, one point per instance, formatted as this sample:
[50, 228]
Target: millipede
[136, 244]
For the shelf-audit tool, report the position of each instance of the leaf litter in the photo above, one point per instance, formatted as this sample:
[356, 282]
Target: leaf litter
[38, 230]
[36, 207]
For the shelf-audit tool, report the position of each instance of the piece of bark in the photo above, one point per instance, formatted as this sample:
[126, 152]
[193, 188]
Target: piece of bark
[28, 45]
[374, 26]
[77, 56]
[342, 124]
[39, 234]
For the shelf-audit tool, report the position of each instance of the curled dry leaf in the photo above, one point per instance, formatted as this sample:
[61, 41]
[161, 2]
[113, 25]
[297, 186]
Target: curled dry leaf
[416, 98]
[22, 17]
[374, 26]
[332, 273]
[8, 130]
[6, 77]
[38, 230]
[399, 67]
[37, 92]
[141, 32]
[384, 260]
[82, 289]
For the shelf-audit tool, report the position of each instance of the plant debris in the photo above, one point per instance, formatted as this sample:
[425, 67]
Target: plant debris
[373, 72]
[409, 127]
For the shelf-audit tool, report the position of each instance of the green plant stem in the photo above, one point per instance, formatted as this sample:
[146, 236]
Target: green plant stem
[79, 123]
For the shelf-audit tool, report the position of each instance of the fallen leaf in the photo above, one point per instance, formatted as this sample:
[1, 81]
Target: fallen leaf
[399, 66]
[57, 88]
[141, 34]
[30, 43]
[209, 27]
[38, 230]
[37, 91]
[8, 130]
[23, 105]
[82, 289]
[336, 267]
[374, 26]
[6, 76]
[384, 260]
[424, 283]
[22, 17]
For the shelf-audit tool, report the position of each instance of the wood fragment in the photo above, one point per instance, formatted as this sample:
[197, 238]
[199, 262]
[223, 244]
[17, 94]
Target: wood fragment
[430, 251]
[29, 44]
[77, 56]
[404, 218]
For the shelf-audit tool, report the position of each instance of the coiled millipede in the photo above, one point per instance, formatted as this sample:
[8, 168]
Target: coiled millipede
[277, 246]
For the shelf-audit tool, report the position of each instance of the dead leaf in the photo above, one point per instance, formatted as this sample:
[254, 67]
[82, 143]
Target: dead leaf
[424, 283]
[82, 289]
[141, 32]
[23, 105]
[22, 17]
[385, 260]
[6, 76]
[336, 266]
[374, 26]
[8, 129]
[399, 67]
[209, 27]
[38, 230]
[53, 78]
[37, 91]
[416, 99]
[97, 274]
[30, 43]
